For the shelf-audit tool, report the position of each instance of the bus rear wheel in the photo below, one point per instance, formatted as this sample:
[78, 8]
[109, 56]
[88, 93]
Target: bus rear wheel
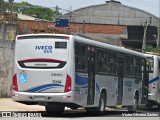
[54, 109]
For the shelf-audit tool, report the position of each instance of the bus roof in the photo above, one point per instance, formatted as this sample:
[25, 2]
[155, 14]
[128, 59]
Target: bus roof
[153, 56]
[108, 46]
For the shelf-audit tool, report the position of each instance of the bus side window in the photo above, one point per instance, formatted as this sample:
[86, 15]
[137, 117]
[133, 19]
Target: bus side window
[159, 74]
[112, 63]
[102, 61]
[159, 68]
[130, 67]
[138, 68]
[81, 57]
[143, 69]
[99, 60]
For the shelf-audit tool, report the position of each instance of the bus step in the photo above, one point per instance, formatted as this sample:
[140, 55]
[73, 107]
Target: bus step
[119, 106]
[90, 105]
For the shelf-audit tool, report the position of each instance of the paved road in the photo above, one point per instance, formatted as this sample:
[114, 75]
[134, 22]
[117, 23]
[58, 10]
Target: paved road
[28, 112]
[6, 104]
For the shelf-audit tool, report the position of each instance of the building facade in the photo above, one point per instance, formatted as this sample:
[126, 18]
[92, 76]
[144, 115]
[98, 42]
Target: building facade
[115, 13]
[117, 23]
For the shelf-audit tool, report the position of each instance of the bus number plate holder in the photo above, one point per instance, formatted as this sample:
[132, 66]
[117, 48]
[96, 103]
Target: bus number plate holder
[39, 98]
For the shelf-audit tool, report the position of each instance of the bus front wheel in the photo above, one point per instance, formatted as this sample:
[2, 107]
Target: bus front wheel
[100, 110]
[134, 107]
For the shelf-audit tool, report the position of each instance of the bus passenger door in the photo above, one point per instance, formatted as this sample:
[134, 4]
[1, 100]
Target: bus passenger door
[120, 80]
[91, 75]
[144, 83]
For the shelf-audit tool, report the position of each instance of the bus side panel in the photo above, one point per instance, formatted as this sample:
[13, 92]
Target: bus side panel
[81, 88]
[110, 84]
[128, 91]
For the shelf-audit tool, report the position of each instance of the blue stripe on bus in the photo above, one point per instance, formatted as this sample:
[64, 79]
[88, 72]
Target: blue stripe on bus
[81, 80]
[85, 86]
[97, 87]
[43, 87]
[153, 80]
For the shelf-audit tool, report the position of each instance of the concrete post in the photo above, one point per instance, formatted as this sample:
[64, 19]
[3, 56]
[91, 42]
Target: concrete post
[144, 38]
[1, 31]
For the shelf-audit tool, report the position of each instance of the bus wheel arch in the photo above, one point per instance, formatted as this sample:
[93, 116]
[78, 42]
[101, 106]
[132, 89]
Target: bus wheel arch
[137, 94]
[104, 91]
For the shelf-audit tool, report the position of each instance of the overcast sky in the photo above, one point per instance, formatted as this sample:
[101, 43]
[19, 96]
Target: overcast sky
[151, 6]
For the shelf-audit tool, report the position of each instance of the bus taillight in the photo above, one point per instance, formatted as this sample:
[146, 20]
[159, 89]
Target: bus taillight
[68, 84]
[14, 83]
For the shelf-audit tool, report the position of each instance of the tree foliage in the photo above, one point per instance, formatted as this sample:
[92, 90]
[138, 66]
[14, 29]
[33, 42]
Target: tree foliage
[35, 10]
[4, 6]
[150, 48]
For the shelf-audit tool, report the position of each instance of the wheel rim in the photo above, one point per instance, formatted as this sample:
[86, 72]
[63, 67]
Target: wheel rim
[102, 104]
[135, 103]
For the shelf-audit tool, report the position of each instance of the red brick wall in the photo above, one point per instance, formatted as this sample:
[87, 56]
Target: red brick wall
[89, 28]
[33, 24]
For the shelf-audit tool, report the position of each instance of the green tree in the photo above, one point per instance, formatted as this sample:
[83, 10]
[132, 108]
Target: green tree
[150, 48]
[4, 6]
[35, 10]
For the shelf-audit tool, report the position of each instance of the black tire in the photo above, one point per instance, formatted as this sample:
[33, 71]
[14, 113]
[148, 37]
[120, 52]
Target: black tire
[100, 110]
[150, 105]
[134, 107]
[90, 111]
[53, 109]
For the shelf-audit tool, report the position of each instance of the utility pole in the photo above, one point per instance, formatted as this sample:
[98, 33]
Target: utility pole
[158, 35]
[11, 10]
[1, 2]
[144, 35]
[158, 30]
[144, 38]
[83, 27]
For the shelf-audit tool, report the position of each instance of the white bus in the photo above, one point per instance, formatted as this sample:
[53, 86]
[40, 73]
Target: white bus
[59, 70]
[154, 82]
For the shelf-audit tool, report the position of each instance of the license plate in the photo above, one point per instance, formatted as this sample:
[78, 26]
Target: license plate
[39, 98]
